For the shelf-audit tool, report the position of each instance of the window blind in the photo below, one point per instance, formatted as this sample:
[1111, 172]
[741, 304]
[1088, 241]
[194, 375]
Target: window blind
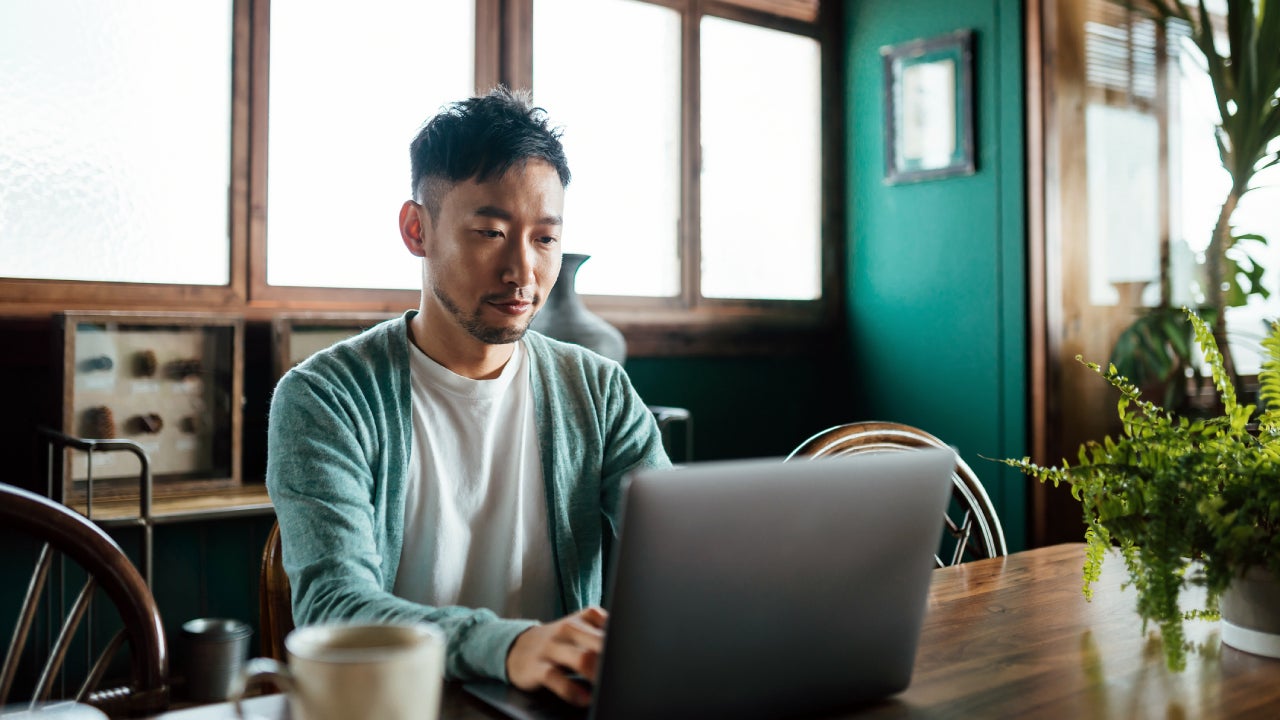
[1121, 51]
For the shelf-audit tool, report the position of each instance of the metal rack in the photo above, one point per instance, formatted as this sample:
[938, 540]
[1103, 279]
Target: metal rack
[58, 441]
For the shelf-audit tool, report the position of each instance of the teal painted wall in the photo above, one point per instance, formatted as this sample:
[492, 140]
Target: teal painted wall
[936, 269]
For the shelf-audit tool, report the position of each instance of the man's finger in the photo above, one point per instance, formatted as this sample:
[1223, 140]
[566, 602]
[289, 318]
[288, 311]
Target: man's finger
[571, 691]
[581, 631]
[578, 659]
[594, 616]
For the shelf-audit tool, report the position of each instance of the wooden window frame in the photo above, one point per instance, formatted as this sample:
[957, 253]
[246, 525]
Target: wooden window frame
[685, 324]
[41, 298]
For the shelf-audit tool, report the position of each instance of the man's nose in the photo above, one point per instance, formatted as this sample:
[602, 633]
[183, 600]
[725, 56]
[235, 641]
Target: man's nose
[520, 263]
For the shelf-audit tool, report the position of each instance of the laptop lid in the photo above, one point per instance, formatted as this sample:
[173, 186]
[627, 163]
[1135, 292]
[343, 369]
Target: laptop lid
[756, 588]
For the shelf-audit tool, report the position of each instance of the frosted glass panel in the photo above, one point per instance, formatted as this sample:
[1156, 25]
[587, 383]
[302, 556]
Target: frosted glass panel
[761, 163]
[608, 71]
[350, 86]
[115, 140]
[1123, 156]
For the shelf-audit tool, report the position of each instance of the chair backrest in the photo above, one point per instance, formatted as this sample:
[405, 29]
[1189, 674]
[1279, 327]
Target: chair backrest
[61, 530]
[275, 608]
[974, 530]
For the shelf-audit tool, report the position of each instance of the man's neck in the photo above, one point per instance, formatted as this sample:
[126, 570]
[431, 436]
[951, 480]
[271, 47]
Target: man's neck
[454, 348]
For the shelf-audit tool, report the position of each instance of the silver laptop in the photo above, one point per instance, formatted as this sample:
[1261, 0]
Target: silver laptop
[760, 589]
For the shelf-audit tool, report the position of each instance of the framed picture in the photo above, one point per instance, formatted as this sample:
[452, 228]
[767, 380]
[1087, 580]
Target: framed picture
[298, 336]
[170, 382]
[928, 88]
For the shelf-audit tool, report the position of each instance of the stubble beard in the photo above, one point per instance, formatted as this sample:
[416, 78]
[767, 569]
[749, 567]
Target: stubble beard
[477, 328]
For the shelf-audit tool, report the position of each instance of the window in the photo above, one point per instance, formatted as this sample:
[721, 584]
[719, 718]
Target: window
[1150, 121]
[621, 122]
[115, 167]
[1197, 193]
[251, 155]
[760, 200]
[338, 131]
[751, 195]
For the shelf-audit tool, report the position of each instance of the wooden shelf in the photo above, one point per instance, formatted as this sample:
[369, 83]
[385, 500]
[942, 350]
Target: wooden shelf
[243, 501]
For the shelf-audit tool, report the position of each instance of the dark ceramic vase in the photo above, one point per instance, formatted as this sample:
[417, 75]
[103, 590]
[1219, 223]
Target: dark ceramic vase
[565, 317]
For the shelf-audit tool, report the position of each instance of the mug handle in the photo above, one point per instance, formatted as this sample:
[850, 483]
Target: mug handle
[259, 671]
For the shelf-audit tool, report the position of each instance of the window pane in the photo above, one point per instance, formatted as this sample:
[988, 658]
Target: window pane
[761, 163]
[608, 71]
[115, 140]
[1202, 184]
[1122, 154]
[348, 90]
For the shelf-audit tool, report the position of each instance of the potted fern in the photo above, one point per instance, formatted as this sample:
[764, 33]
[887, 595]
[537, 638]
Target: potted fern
[1189, 502]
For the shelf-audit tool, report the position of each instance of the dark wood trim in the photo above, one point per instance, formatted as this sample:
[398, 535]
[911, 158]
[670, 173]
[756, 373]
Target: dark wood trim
[690, 158]
[488, 44]
[1037, 313]
[257, 194]
[317, 298]
[241, 105]
[21, 292]
[730, 11]
[681, 5]
[831, 24]
[517, 45]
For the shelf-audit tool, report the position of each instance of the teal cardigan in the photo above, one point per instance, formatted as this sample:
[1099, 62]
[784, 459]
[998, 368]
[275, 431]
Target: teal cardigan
[338, 451]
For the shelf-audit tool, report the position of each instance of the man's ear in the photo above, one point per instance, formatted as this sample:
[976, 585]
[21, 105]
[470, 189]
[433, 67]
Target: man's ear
[412, 229]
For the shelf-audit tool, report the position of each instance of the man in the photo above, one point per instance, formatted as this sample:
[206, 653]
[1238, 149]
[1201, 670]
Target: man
[450, 466]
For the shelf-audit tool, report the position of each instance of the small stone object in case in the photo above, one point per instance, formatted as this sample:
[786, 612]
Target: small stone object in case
[145, 363]
[146, 424]
[100, 423]
[96, 363]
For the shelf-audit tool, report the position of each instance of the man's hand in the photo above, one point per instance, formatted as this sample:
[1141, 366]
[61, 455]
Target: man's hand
[545, 655]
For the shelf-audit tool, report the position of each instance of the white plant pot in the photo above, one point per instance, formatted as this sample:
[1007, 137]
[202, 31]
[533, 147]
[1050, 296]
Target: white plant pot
[1251, 613]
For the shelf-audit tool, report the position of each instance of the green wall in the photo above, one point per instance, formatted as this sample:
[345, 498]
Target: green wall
[937, 298]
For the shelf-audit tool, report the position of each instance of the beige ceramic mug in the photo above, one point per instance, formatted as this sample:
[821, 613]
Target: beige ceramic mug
[340, 672]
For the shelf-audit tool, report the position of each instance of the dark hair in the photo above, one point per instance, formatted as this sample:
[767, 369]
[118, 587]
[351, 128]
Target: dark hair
[481, 138]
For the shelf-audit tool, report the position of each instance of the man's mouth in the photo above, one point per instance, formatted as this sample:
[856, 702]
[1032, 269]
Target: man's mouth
[514, 306]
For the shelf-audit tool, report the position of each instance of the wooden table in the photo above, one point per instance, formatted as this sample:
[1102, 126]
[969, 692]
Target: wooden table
[1014, 637]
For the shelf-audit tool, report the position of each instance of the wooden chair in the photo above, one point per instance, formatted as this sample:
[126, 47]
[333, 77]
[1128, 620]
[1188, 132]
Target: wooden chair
[275, 607]
[976, 534]
[63, 531]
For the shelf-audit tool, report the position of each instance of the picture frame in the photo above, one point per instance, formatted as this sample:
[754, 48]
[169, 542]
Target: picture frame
[928, 108]
[171, 382]
[297, 336]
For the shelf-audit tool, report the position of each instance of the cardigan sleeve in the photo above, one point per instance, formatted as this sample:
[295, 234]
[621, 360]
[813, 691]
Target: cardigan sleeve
[322, 454]
[632, 442]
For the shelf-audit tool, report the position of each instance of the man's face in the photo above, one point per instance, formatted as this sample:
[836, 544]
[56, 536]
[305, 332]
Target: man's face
[494, 251]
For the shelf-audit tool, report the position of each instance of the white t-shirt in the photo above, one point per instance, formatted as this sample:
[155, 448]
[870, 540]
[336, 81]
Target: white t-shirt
[475, 516]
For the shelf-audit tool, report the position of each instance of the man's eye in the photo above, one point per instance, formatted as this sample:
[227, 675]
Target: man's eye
[548, 240]
[490, 233]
